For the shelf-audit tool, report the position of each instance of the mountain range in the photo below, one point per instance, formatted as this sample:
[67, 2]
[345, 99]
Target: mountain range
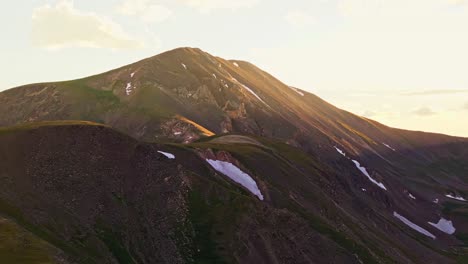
[185, 157]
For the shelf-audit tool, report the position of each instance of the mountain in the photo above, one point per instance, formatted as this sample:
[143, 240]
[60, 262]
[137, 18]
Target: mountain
[189, 158]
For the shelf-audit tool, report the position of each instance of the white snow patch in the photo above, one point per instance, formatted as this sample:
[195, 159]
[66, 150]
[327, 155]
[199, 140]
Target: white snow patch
[177, 133]
[128, 88]
[364, 190]
[237, 175]
[235, 64]
[436, 201]
[413, 225]
[340, 151]
[214, 75]
[388, 146]
[411, 196]
[254, 94]
[364, 171]
[167, 154]
[297, 91]
[132, 74]
[183, 65]
[456, 197]
[445, 226]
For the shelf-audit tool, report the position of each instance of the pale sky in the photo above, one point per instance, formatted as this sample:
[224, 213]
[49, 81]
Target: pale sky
[401, 62]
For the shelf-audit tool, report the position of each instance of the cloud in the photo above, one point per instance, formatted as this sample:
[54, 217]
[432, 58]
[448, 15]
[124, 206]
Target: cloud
[298, 18]
[145, 10]
[458, 2]
[208, 5]
[369, 113]
[424, 111]
[62, 26]
[405, 7]
[435, 92]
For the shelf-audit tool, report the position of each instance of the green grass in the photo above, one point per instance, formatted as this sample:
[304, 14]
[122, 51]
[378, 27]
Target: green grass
[72, 250]
[112, 242]
[202, 219]
[280, 155]
[20, 246]
[36, 125]
[214, 214]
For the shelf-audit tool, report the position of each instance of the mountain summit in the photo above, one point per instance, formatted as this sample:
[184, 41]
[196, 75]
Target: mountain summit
[185, 157]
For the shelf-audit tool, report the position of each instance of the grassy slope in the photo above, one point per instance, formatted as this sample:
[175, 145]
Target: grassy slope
[18, 245]
[251, 156]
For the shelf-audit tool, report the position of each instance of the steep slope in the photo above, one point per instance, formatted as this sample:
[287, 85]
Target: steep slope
[101, 196]
[18, 245]
[361, 187]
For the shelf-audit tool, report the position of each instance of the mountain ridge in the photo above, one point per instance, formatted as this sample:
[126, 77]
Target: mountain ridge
[362, 188]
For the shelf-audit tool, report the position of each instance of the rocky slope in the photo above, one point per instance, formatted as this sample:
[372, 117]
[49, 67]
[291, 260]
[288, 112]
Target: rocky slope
[103, 197]
[329, 181]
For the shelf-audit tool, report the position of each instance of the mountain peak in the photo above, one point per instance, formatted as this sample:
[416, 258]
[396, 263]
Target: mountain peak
[179, 52]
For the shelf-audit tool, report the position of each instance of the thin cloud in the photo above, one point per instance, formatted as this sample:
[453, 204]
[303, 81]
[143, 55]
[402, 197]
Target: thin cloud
[145, 10]
[369, 113]
[435, 92]
[424, 111]
[205, 6]
[62, 26]
[298, 18]
[458, 2]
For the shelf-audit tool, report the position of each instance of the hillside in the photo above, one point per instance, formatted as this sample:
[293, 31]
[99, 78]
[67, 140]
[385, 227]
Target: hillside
[189, 158]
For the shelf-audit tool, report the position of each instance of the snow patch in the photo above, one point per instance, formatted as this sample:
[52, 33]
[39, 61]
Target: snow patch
[167, 154]
[177, 133]
[388, 146]
[411, 196]
[296, 90]
[364, 171]
[254, 94]
[364, 190]
[132, 74]
[340, 151]
[235, 64]
[456, 197]
[129, 88]
[413, 225]
[214, 75]
[183, 65]
[237, 175]
[445, 226]
[436, 201]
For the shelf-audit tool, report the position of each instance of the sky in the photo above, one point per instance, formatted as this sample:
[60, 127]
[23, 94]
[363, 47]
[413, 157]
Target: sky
[401, 62]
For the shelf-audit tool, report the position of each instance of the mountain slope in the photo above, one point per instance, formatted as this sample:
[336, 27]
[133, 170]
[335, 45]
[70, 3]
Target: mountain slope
[361, 188]
[125, 202]
[101, 196]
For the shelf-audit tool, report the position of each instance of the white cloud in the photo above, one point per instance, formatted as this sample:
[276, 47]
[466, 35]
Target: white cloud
[146, 10]
[458, 2]
[465, 106]
[299, 18]
[424, 111]
[62, 25]
[208, 5]
[400, 8]
[369, 113]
